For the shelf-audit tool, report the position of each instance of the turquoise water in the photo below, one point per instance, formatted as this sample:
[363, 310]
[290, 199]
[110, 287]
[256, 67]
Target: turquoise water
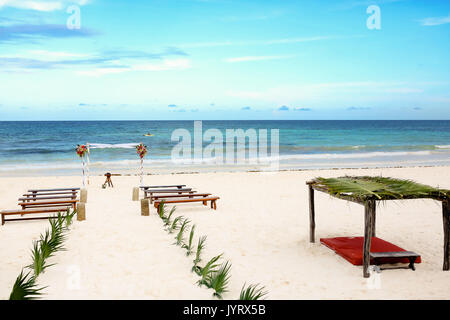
[50, 146]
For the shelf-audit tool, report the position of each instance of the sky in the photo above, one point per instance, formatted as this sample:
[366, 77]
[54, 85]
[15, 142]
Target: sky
[224, 59]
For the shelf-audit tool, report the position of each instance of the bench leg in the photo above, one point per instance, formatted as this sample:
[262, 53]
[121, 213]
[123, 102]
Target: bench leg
[3, 219]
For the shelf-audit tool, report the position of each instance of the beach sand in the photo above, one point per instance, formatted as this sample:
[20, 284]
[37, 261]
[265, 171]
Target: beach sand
[261, 225]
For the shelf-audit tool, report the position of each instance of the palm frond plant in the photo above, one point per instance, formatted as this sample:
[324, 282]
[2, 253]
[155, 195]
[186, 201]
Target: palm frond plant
[69, 217]
[61, 221]
[180, 235]
[57, 235]
[46, 246]
[167, 220]
[162, 210]
[174, 225]
[253, 292]
[188, 245]
[39, 261]
[206, 272]
[201, 245]
[25, 288]
[219, 280]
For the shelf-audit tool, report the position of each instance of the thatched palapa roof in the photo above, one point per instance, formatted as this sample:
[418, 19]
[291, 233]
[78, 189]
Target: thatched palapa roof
[364, 188]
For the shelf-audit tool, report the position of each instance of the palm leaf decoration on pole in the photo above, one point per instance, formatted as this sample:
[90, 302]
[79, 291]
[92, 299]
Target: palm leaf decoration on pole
[141, 150]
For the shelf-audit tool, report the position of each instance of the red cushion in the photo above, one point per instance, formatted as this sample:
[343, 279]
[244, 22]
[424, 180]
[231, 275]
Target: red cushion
[351, 249]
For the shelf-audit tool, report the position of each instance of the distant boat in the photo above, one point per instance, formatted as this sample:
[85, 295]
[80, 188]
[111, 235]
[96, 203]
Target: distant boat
[148, 135]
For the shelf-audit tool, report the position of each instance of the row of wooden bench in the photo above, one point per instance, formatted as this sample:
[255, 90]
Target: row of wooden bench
[177, 194]
[43, 201]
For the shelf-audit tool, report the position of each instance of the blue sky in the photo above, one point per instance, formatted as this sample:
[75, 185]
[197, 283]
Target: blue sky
[224, 59]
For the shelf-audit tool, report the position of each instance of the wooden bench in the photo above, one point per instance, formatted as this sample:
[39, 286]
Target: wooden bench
[72, 197]
[53, 190]
[201, 199]
[49, 193]
[39, 207]
[178, 186]
[148, 194]
[411, 256]
[31, 211]
[187, 195]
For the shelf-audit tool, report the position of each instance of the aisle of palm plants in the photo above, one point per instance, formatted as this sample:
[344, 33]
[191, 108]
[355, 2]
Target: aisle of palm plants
[213, 274]
[50, 242]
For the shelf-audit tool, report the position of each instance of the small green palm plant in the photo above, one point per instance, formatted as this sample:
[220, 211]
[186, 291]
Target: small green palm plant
[198, 254]
[168, 220]
[39, 260]
[218, 280]
[69, 217]
[180, 235]
[188, 245]
[162, 210]
[206, 272]
[174, 225]
[25, 288]
[57, 234]
[253, 292]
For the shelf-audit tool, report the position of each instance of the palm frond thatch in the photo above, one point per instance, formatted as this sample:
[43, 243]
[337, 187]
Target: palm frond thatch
[365, 188]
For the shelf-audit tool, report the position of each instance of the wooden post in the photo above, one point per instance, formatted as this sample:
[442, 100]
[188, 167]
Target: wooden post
[135, 196]
[312, 221]
[368, 225]
[373, 213]
[83, 195]
[81, 211]
[145, 207]
[446, 220]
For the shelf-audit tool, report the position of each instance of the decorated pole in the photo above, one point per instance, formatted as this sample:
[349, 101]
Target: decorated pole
[81, 152]
[141, 150]
[88, 162]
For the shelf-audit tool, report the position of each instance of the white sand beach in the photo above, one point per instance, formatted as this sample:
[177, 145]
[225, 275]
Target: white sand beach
[261, 225]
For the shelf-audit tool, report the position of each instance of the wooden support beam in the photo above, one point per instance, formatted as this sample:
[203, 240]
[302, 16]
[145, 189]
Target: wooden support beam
[368, 233]
[446, 220]
[373, 213]
[312, 221]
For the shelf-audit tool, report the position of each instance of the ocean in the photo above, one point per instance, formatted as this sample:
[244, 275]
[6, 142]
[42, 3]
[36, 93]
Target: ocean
[38, 148]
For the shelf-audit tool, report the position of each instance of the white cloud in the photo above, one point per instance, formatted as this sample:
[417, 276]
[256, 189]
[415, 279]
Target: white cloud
[260, 42]
[40, 5]
[436, 21]
[165, 65]
[55, 54]
[255, 58]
